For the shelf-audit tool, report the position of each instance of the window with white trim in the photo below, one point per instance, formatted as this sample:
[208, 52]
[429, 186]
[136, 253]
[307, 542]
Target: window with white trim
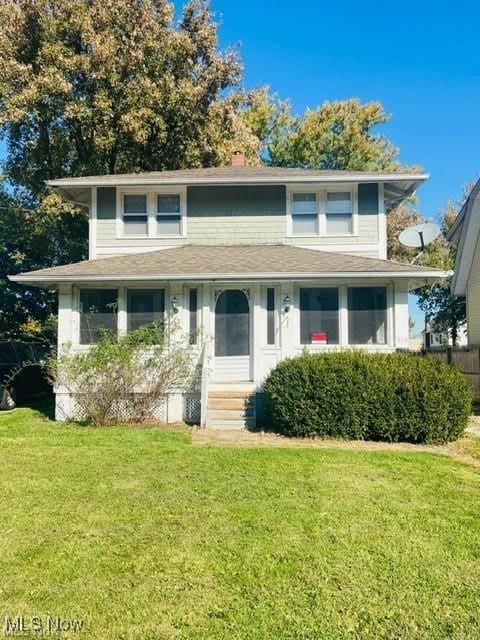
[338, 213]
[304, 211]
[135, 214]
[169, 214]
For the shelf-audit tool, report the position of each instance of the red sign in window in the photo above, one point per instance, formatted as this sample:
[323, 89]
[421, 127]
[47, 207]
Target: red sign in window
[319, 337]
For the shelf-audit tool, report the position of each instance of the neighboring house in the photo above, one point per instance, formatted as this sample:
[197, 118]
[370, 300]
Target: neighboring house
[263, 262]
[466, 278]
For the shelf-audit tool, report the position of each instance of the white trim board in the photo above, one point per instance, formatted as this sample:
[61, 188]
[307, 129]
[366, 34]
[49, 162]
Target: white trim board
[142, 179]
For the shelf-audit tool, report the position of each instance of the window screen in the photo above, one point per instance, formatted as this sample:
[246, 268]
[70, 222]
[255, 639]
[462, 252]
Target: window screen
[144, 307]
[193, 315]
[135, 216]
[270, 316]
[98, 313]
[367, 315]
[304, 213]
[169, 217]
[338, 211]
[318, 314]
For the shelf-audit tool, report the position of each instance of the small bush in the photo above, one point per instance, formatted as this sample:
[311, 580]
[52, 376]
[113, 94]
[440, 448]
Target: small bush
[355, 395]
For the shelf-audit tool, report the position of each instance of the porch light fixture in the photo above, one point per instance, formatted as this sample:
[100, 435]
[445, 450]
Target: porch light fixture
[287, 301]
[174, 302]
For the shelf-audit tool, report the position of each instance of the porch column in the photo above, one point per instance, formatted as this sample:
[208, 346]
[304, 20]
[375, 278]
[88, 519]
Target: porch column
[288, 339]
[400, 329]
[343, 315]
[256, 324]
[66, 336]
[65, 317]
[176, 317]
[176, 291]
[207, 328]
[122, 324]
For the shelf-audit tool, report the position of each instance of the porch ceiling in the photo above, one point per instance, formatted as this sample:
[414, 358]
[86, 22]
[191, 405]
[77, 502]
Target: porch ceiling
[228, 262]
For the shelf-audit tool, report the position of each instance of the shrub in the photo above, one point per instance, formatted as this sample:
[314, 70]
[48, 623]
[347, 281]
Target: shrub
[355, 395]
[124, 378]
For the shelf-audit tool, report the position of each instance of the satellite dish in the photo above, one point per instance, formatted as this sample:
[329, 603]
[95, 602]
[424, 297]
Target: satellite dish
[419, 236]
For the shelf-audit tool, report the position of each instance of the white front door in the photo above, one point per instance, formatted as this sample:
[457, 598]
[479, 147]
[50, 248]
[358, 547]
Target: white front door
[232, 335]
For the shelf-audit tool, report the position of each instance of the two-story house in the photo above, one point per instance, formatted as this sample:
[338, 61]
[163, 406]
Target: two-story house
[258, 263]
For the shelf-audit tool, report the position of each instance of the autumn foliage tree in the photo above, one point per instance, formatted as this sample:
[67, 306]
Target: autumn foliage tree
[342, 134]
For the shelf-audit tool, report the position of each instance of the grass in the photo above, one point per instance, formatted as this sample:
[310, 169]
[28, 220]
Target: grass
[469, 445]
[144, 536]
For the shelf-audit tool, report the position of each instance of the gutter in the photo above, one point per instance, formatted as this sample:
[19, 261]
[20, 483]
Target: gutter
[435, 273]
[142, 180]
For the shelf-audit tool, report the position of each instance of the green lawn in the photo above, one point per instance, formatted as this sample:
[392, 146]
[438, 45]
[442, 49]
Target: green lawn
[145, 536]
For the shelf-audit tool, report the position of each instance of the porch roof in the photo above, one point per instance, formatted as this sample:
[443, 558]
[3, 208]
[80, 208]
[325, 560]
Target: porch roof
[228, 262]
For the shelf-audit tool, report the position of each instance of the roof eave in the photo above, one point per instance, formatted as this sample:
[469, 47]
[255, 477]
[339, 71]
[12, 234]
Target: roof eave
[141, 179]
[425, 277]
[467, 241]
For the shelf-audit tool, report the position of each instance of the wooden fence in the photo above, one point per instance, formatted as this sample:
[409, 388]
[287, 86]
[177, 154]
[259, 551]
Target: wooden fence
[465, 359]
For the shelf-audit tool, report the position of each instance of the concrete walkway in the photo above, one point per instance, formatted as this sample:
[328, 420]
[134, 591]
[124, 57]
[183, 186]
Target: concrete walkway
[244, 438]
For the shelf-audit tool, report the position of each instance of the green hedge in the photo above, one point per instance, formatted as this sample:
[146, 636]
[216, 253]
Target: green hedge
[355, 395]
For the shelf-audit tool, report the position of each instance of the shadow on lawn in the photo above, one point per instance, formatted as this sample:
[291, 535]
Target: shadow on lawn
[44, 406]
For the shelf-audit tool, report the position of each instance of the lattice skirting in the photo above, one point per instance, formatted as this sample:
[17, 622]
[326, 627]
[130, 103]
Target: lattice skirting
[192, 408]
[174, 407]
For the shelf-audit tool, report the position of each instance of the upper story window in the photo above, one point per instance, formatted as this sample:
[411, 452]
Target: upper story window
[135, 214]
[322, 212]
[339, 213]
[169, 215]
[304, 213]
[152, 214]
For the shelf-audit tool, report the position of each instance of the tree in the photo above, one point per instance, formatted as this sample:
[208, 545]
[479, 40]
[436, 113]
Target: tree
[404, 215]
[29, 239]
[446, 312]
[91, 87]
[337, 135]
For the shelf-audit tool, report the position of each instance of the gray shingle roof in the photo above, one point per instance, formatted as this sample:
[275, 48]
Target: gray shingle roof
[235, 261]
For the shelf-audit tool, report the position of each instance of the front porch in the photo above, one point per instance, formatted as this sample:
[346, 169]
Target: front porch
[238, 331]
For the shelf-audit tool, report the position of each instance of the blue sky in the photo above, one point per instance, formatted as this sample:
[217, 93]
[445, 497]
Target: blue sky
[421, 60]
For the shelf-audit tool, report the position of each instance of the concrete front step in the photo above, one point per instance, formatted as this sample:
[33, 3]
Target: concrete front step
[231, 406]
[230, 414]
[247, 386]
[229, 394]
[229, 403]
[229, 424]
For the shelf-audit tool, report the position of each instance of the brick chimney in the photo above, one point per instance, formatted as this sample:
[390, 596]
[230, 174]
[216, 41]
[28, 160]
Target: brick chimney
[238, 159]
